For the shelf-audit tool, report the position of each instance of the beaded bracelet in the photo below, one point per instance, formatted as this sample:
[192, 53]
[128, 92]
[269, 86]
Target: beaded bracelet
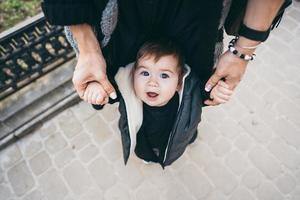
[233, 50]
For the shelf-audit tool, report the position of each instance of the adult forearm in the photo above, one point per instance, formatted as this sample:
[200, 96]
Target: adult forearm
[260, 13]
[86, 39]
[259, 16]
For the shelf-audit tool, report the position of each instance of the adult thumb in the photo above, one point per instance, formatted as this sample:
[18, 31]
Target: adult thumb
[212, 81]
[109, 89]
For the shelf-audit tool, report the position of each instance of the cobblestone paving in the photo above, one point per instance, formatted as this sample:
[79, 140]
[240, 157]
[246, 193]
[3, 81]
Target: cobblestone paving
[248, 149]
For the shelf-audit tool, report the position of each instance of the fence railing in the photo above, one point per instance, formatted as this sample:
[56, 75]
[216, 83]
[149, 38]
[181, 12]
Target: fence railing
[30, 50]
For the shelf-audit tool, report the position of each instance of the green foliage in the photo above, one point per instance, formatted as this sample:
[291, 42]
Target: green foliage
[14, 11]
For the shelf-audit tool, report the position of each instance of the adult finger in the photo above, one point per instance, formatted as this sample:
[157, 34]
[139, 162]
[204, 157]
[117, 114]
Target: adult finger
[108, 88]
[85, 95]
[79, 87]
[233, 82]
[212, 81]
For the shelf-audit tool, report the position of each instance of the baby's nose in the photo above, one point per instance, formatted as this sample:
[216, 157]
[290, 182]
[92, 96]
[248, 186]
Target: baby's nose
[152, 82]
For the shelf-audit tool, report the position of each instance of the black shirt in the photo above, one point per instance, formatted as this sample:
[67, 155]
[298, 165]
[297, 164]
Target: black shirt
[153, 136]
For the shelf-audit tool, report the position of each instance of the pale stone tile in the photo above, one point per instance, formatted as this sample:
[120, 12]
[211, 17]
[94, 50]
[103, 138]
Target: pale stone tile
[2, 179]
[20, 178]
[257, 129]
[33, 147]
[221, 177]
[47, 129]
[201, 154]
[147, 191]
[230, 128]
[267, 191]
[113, 150]
[64, 157]
[288, 132]
[214, 115]
[110, 112]
[88, 153]
[252, 178]
[40, 163]
[93, 194]
[99, 169]
[286, 184]
[296, 194]
[207, 133]
[241, 193]
[81, 140]
[77, 177]
[5, 192]
[68, 123]
[54, 143]
[244, 142]
[222, 146]
[83, 111]
[175, 191]
[130, 175]
[285, 153]
[237, 162]
[52, 185]
[118, 192]
[265, 162]
[99, 129]
[195, 181]
[290, 110]
[35, 195]
[10, 156]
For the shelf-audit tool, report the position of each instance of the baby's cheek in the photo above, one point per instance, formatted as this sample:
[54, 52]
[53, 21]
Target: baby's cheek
[137, 88]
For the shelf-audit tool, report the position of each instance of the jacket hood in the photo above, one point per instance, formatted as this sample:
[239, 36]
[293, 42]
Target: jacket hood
[134, 106]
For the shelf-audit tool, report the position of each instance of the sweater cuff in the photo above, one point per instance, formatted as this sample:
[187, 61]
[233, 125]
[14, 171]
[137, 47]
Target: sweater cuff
[66, 14]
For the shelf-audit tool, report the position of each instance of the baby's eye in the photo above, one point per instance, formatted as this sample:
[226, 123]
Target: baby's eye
[144, 73]
[164, 75]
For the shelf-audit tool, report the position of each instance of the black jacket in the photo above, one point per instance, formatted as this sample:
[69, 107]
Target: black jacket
[185, 127]
[70, 12]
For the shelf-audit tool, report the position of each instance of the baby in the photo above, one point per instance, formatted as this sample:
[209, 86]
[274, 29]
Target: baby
[158, 75]
[168, 71]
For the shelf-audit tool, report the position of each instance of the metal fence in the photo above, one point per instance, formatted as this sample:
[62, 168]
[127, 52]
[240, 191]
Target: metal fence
[29, 51]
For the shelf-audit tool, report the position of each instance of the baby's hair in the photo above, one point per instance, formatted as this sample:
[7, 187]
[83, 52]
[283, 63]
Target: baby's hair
[159, 48]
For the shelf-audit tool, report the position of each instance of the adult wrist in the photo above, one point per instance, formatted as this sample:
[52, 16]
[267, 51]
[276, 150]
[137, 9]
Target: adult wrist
[242, 53]
[86, 39]
[253, 33]
[246, 45]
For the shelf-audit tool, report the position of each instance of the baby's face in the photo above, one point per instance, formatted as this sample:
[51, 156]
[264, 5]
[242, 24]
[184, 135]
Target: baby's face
[155, 83]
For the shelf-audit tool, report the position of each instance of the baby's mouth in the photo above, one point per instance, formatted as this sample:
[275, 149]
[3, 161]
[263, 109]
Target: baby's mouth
[152, 94]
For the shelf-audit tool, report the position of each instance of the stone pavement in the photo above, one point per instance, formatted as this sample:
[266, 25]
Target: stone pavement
[248, 149]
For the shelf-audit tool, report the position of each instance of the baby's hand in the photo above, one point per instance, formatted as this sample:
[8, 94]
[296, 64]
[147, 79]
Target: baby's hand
[95, 94]
[221, 92]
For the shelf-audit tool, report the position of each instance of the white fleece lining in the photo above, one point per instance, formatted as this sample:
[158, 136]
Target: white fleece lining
[187, 70]
[134, 106]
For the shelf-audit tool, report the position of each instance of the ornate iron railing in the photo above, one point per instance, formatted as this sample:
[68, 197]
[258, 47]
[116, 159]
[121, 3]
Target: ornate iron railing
[29, 51]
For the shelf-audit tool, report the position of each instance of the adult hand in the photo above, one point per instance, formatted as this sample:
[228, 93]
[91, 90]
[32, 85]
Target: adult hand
[92, 67]
[231, 69]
